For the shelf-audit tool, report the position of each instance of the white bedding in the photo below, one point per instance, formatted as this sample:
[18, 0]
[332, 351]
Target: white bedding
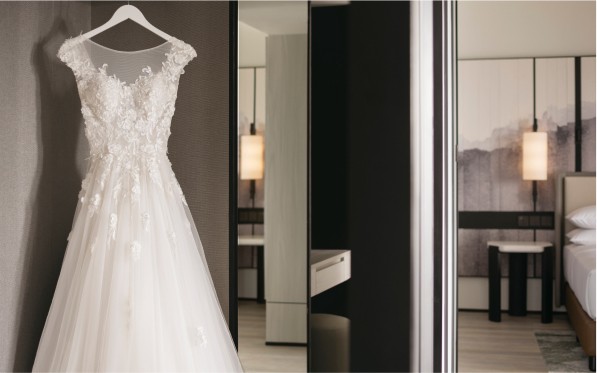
[579, 269]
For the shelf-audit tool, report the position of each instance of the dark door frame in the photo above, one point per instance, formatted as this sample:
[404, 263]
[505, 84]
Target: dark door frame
[232, 171]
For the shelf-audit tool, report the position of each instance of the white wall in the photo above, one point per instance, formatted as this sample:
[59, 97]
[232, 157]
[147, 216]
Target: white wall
[251, 46]
[504, 29]
[496, 29]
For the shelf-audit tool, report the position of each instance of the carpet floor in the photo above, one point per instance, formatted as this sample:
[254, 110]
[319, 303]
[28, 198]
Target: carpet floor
[561, 351]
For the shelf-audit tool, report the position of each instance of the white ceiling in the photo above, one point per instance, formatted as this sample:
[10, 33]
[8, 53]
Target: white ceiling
[275, 17]
[498, 29]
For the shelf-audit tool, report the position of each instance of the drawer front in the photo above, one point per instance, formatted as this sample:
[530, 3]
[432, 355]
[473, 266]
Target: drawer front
[330, 273]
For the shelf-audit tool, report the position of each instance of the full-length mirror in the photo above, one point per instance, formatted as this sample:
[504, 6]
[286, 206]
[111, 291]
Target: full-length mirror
[272, 185]
[526, 161]
[359, 154]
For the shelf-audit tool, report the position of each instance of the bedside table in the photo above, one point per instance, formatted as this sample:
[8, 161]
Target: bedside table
[517, 288]
[258, 242]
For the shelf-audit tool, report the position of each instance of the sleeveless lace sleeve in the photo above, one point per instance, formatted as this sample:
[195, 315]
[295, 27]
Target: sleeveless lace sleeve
[67, 53]
[180, 55]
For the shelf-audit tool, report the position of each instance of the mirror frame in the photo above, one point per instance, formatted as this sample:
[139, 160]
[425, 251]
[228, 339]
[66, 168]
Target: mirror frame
[233, 173]
[232, 170]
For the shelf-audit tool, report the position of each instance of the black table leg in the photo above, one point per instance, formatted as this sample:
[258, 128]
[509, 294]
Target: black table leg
[517, 284]
[494, 284]
[260, 275]
[547, 285]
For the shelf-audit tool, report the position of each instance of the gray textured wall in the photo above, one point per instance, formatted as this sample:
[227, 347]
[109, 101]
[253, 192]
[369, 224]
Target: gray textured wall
[42, 149]
[42, 146]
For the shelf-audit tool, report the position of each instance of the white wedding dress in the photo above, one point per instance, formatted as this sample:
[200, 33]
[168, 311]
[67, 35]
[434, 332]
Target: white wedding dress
[134, 292]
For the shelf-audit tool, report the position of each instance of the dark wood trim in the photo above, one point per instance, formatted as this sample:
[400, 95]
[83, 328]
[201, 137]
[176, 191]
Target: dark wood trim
[520, 58]
[309, 193]
[543, 220]
[286, 344]
[517, 284]
[232, 171]
[495, 290]
[250, 215]
[479, 310]
[260, 275]
[547, 285]
[251, 67]
[454, 213]
[577, 116]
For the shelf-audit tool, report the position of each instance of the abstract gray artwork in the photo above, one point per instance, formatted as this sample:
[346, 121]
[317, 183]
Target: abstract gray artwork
[495, 108]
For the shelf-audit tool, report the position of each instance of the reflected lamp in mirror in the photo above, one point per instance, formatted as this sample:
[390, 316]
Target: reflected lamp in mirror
[534, 156]
[251, 157]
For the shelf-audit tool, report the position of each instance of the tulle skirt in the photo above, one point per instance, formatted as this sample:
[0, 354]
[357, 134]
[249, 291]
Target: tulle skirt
[134, 292]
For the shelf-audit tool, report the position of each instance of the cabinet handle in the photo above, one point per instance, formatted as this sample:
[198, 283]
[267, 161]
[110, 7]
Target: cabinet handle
[329, 265]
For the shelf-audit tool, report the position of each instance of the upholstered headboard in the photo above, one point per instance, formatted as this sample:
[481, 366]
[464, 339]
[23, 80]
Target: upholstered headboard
[573, 190]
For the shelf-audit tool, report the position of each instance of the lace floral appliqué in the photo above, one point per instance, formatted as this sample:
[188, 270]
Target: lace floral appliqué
[113, 223]
[127, 125]
[135, 248]
[198, 336]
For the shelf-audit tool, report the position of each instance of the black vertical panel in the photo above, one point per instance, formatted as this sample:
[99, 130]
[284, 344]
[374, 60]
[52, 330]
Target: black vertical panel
[328, 127]
[309, 181]
[577, 117]
[379, 185]
[328, 144]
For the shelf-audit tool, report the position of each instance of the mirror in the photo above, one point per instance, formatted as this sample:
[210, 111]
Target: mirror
[530, 75]
[272, 185]
[359, 186]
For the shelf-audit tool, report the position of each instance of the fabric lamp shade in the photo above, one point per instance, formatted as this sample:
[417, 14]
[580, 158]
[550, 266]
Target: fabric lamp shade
[251, 157]
[534, 156]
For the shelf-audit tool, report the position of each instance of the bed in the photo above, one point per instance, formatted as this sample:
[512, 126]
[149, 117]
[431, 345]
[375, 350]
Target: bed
[575, 264]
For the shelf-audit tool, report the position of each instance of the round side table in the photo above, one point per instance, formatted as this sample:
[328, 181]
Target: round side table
[517, 272]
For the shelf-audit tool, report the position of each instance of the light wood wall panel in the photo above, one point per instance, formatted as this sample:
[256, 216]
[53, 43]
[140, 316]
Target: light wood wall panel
[286, 322]
[286, 184]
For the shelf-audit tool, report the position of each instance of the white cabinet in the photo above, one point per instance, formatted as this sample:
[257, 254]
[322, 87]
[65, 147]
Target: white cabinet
[328, 269]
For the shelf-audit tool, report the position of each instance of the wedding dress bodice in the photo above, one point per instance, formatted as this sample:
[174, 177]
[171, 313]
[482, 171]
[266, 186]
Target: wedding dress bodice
[127, 124]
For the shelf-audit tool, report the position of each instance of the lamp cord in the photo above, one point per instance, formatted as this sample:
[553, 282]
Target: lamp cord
[535, 125]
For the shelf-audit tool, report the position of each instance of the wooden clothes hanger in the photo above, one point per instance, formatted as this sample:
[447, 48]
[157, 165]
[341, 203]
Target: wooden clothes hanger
[122, 14]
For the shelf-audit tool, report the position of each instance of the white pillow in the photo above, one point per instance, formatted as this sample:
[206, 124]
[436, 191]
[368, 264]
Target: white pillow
[583, 217]
[585, 237]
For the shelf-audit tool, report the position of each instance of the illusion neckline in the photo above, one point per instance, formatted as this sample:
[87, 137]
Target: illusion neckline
[168, 41]
[101, 70]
